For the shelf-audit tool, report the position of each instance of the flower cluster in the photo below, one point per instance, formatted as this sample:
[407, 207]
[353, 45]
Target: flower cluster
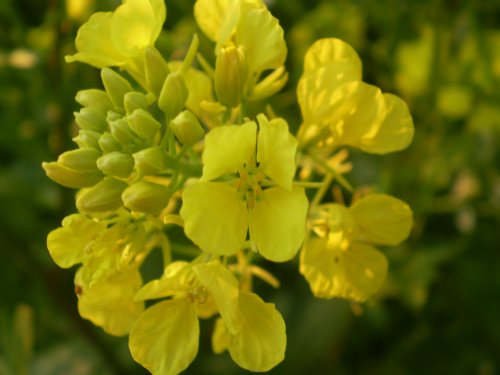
[167, 143]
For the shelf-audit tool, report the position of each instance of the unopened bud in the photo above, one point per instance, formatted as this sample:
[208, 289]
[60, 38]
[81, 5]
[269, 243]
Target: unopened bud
[82, 159]
[108, 143]
[69, 177]
[122, 132]
[116, 164]
[174, 94]
[113, 116]
[187, 128]
[143, 124]
[134, 100]
[103, 197]
[231, 75]
[149, 161]
[116, 86]
[94, 98]
[87, 138]
[91, 119]
[156, 70]
[146, 197]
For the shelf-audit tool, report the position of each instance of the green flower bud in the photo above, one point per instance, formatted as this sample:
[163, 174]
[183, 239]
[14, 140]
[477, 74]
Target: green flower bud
[69, 177]
[187, 128]
[122, 132]
[143, 124]
[146, 197]
[156, 70]
[149, 161]
[116, 164]
[82, 159]
[108, 143]
[94, 98]
[135, 100]
[113, 116]
[103, 197]
[231, 75]
[116, 86]
[87, 138]
[91, 119]
[174, 94]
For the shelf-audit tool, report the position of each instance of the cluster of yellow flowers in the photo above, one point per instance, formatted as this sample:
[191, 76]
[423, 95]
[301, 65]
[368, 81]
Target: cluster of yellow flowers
[168, 144]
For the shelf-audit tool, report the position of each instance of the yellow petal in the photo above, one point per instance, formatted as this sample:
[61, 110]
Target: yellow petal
[383, 219]
[278, 222]
[165, 337]
[67, 244]
[109, 303]
[276, 149]
[133, 27]
[260, 344]
[93, 43]
[223, 287]
[262, 36]
[396, 130]
[329, 50]
[333, 270]
[220, 337]
[160, 12]
[228, 148]
[215, 217]
[209, 15]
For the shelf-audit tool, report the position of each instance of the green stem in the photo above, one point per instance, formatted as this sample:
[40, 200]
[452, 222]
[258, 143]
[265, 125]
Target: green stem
[337, 176]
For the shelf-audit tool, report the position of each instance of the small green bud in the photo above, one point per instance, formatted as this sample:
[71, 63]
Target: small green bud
[69, 177]
[94, 98]
[146, 197]
[122, 132]
[116, 86]
[143, 124]
[103, 197]
[231, 75]
[135, 100]
[113, 116]
[87, 138]
[149, 161]
[156, 70]
[116, 164]
[108, 143]
[91, 119]
[82, 159]
[187, 128]
[174, 94]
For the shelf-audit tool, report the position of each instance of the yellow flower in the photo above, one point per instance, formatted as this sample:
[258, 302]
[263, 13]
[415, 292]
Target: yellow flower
[218, 214]
[339, 109]
[340, 261]
[164, 338]
[115, 38]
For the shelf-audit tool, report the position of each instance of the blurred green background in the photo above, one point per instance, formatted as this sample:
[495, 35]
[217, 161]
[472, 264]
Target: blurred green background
[439, 311]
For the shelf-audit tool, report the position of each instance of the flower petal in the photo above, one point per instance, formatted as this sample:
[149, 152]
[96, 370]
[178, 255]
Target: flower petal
[109, 303]
[209, 15]
[220, 337]
[223, 287]
[383, 219]
[329, 50]
[260, 344]
[276, 149]
[278, 222]
[165, 337]
[228, 148]
[215, 217]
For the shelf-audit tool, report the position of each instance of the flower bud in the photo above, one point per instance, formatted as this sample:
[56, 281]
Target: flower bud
[113, 116]
[82, 159]
[87, 138]
[174, 94]
[116, 86]
[134, 100]
[116, 164]
[231, 75]
[94, 98]
[91, 119]
[187, 128]
[105, 196]
[69, 177]
[108, 143]
[122, 132]
[143, 124]
[156, 70]
[149, 161]
[146, 197]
